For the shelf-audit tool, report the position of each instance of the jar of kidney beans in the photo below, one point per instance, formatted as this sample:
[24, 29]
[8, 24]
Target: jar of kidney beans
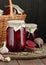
[16, 35]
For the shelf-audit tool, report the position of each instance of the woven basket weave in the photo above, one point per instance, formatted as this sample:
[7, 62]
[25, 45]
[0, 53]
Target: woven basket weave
[5, 18]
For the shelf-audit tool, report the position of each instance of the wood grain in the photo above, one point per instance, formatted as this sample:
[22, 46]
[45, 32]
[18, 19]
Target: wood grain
[44, 60]
[38, 62]
[13, 62]
[2, 63]
[26, 62]
[30, 62]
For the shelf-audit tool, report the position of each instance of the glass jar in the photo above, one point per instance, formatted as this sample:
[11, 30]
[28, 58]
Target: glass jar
[31, 33]
[16, 35]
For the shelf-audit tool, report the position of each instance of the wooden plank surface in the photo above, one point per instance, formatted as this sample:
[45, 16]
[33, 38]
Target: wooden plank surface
[2, 63]
[13, 62]
[30, 62]
[38, 62]
[44, 60]
[25, 62]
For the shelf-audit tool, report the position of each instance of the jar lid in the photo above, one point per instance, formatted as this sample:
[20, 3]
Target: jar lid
[16, 24]
[15, 21]
[31, 25]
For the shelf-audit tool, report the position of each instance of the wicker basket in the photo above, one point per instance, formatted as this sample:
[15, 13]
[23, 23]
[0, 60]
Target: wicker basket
[5, 18]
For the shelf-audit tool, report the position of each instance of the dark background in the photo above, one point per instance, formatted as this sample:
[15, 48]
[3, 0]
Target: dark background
[36, 13]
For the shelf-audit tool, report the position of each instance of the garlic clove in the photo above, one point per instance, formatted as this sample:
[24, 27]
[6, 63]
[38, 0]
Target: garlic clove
[7, 59]
[4, 59]
[39, 41]
[4, 49]
[1, 57]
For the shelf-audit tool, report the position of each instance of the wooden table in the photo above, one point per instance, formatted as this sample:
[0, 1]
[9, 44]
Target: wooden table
[34, 59]
[25, 62]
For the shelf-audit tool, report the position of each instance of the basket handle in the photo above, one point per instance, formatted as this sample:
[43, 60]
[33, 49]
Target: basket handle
[11, 7]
